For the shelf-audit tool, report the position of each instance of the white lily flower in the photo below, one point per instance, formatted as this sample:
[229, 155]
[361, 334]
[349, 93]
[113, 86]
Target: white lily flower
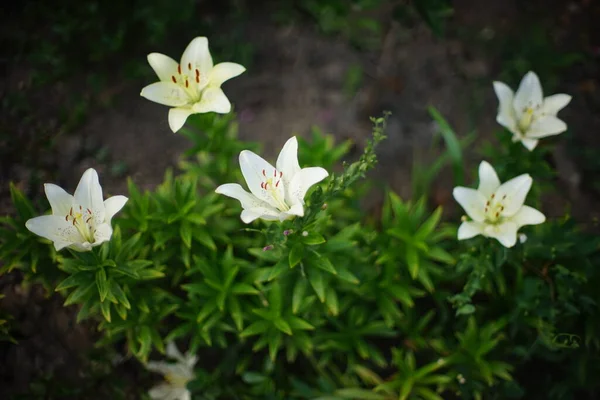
[79, 222]
[192, 86]
[496, 210]
[177, 375]
[527, 114]
[276, 193]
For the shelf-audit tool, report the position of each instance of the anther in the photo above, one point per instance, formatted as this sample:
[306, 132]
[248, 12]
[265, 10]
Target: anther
[187, 84]
[277, 184]
[197, 79]
[497, 214]
[67, 217]
[179, 69]
[173, 79]
[197, 72]
[275, 173]
[263, 171]
[262, 185]
[190, 66]
[280, 174]
[487, 203]
[493, 195]
[89, 211]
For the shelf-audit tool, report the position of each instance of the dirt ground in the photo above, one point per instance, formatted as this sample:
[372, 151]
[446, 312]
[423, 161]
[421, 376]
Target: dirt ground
[296, 82]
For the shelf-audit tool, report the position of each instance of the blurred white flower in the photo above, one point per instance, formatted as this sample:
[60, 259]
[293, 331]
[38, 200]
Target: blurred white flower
[192, 86]
[276, 193]
[496, 210]
[527, 114]
[522, 238]
[177, 375]
[79, 222]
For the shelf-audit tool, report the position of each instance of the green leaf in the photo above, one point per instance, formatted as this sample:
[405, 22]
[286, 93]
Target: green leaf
[283, 326]
[185, 231]
[346, 275]
[299, 324]
[244, 288]
[313, 239]
[21, 203]
[315, 277]
[441, 255]
[275, 298]
[278, 269]
[466, 309]
[256, 329]
[331, 301]
[298, 294]
[120, 295]
[296, 254]
[324, 264]
[205, 239]
[79, 294]
[105, 308]
[77, 279]
[429, 225]
[452, 144]
[150, 274]
[102, 284]
[358, 394]
[145, 340]
[412, 260]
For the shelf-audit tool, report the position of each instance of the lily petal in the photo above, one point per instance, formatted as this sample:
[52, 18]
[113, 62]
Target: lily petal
[166, 93]
[529, 94]
[163, 391]
[213, 100]
[56, 229]
[472, 201]
[178, 116]
[553, 104]
[302, 181]
[222, 72]
[505, 233]
[256, 171]
[528, 216]
[164, 66]
[173, 352]
[530, 144]
[506, 114]
[296, 210]
[102, 234]
[113, 205]
[247, 200]
[60, 201]
[197, 55]
[546, 126]
[287, 161]
[469, 229]
[268, 214]
[89, 194]
[512, 194]
[488, 179]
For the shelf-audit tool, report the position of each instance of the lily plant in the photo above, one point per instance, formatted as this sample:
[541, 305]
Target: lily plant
[79, 222]
[527, 114]
[276, 193]
[177, 375]
[191, 86]
[497, 210]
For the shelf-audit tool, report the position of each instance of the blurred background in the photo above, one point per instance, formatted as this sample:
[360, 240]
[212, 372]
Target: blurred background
[73, 71]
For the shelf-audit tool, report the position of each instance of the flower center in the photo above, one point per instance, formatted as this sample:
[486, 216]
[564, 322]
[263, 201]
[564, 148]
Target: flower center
[177, 380]
[83, 220]
[273, 186]
[526, 119]
[493, 209]
[191, 79]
